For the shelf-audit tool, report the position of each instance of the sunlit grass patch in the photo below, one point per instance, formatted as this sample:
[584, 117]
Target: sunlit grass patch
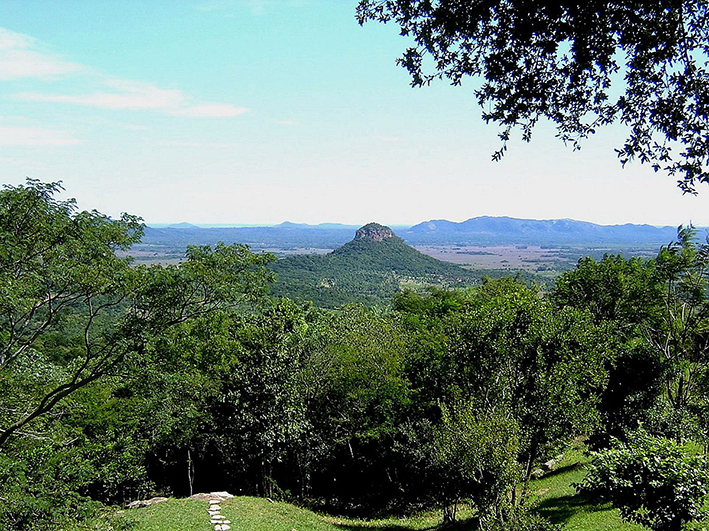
[171, 515]
[555, 498]
[259, 514]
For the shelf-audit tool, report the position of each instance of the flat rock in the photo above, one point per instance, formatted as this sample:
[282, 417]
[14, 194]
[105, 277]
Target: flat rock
[144, 503]
[222, 494]
[202, 496]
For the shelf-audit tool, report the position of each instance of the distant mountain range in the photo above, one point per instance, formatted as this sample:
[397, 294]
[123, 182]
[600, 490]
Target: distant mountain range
[494, 230]
[485, 230]
[284, 236]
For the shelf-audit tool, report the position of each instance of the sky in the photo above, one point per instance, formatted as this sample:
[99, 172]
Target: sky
[255, 112]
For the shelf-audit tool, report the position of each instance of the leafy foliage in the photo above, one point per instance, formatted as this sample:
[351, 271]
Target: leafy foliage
[680, 335]
[581, 65]
[474, 455]
[653, 481]
[119, 381]
[626, 296]
[658, 312]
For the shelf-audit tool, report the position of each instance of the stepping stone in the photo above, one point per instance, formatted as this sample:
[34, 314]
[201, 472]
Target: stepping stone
[222, 494]
[222, 528]
[215, 507]
[214, 502]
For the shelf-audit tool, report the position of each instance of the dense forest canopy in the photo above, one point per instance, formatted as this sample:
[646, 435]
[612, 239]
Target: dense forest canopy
[119, 381]
[581, 65]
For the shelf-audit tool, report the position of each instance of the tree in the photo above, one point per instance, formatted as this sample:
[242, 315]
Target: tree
[681, 336]
[627, 292]
[474, 455]
[54, 260]
[581, 65]
[659, 312]
[653, 481]
[507, 353]
[60, 277]
[354, 390]
[626, 295]
[258, 413]
[514, 352]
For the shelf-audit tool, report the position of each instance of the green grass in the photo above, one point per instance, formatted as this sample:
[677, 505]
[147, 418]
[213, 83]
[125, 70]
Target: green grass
[553, 496]
[172, 515]
[256, 514]
[556, 499]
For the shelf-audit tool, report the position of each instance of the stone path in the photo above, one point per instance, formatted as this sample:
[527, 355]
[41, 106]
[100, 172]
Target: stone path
[216, 519]
[219, 522]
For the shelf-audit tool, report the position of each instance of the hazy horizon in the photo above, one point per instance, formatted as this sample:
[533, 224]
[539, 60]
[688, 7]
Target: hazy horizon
[256, 111]
[391, 225]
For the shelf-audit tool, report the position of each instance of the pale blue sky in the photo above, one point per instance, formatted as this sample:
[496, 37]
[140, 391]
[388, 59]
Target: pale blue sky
[261, 111]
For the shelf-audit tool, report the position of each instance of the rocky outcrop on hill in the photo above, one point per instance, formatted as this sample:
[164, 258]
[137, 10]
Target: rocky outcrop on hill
[375, 232]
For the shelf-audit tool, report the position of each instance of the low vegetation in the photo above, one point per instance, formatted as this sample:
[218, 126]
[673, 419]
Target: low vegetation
[554, 496]
[120, 381]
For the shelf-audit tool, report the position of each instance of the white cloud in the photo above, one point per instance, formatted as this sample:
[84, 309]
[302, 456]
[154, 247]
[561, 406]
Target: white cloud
[210, 110]
[34, 136]
[19, 58]
[286, 122]
[134, 95]
[130, 95]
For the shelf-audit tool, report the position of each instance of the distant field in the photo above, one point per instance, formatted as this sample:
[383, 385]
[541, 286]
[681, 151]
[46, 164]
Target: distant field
[494, 257]
[543, 260]
[530, 258]
[165, 255]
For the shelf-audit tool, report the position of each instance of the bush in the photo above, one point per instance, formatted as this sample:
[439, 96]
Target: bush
[652, 480]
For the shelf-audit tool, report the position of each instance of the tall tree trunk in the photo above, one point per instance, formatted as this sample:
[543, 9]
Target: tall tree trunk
[533, 448]
[190, 470]
[450, 511]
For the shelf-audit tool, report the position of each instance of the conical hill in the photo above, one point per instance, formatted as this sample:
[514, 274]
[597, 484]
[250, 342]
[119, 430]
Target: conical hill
[369, 269]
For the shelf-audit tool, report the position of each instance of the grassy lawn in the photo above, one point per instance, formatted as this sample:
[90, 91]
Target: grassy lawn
[183, 514]
[254, 514]
[258, 514]
[553, 496]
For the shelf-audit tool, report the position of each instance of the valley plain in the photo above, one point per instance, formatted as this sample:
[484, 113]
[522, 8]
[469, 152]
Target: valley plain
[546, 260]
[542, 248]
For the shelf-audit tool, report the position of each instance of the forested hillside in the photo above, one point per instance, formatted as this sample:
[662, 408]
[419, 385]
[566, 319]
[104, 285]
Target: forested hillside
[120, 381]
[370, 269]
